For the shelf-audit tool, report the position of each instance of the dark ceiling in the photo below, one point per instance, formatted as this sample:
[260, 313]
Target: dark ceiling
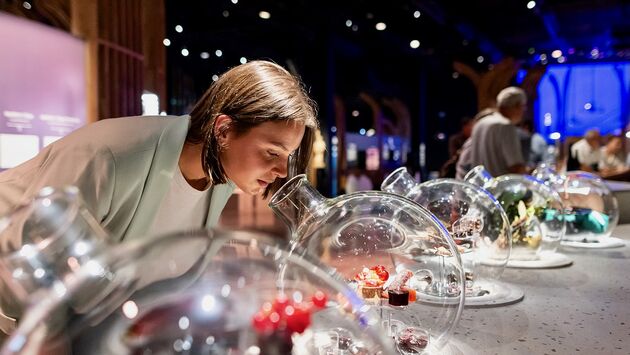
[493, 28]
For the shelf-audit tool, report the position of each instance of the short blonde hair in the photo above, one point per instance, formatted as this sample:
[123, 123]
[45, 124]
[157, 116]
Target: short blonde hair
[252, 93]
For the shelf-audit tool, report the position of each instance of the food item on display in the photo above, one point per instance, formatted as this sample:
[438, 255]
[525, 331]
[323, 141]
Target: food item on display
[371, 280]
[411, 341]
[398, 297]
[283, 317]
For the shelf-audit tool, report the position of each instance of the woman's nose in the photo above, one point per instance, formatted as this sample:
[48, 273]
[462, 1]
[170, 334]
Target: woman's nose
[280, 169]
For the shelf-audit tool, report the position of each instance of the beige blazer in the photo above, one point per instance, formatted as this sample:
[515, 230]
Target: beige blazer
[123, 168]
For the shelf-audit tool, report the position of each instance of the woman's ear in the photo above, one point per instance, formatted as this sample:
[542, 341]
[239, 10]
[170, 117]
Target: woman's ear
[221, 125]
[221, 128]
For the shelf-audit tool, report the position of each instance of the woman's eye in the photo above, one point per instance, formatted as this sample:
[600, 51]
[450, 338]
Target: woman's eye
[273, 154]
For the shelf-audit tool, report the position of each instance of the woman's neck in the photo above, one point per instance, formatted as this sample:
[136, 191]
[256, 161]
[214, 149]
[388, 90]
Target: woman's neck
[191, 167]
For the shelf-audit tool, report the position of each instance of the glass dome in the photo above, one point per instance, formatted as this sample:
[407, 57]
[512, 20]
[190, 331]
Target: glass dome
[591, 210]
[474, 219]
[394, 253]
[44, 242]
[534, 210]
[206, 292]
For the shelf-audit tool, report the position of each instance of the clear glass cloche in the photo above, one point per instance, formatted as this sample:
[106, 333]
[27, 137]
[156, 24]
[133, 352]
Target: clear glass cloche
[43, 243]
[591, 209]
[393, 252]
[474, 219]
[534, 210]
[206, 292]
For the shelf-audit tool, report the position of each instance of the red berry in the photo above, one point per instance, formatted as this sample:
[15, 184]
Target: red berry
[280, 303]
[299, 320]
[262, 323]
[319, 299]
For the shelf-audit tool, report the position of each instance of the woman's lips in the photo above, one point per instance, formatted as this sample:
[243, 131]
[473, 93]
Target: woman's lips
[263, 183]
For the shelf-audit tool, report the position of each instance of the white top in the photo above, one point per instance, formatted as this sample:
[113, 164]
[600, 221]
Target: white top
[183, 208]
[495, 144]
[584, 153]
[610, 161]
[362, 183]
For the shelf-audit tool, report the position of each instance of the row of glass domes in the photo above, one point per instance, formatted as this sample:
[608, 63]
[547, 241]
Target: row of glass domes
[363, 273]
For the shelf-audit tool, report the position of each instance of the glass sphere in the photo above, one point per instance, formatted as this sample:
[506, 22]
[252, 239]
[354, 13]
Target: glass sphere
[393, 252]
[534, 210]
[207, 292]
[473, 217]
[591, 209]
[44, 242]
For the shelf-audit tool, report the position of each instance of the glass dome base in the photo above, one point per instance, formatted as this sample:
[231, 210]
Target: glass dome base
[542, 260]
[596, 243]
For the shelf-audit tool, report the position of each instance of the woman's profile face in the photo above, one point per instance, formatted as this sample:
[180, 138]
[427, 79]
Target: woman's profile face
[254, 159]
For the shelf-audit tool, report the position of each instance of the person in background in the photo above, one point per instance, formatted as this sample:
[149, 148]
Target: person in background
[495, 141]
[456, 141]
[534, 147]
[585, 153]
[143, 176]
[462, 160]
[611, 160]
[357, 180]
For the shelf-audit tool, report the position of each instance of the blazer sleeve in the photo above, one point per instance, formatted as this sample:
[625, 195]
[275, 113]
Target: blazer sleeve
[90, 168]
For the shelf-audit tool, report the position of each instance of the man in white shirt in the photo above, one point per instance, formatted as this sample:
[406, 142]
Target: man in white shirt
[495, 141]
[586, 151]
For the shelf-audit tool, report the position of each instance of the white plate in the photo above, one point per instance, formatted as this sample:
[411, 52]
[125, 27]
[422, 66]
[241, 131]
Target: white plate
[545, 260]
[609, 242]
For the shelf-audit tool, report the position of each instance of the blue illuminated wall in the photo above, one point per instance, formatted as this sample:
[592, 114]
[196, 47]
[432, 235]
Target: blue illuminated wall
[576, 97]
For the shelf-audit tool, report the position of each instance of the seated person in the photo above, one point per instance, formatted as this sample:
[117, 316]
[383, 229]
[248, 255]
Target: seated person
[611, 160]
[357, 180]
[586, 151]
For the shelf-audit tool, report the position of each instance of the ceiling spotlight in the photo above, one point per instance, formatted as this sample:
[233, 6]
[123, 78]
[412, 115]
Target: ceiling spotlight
[531, 50]
[205, 55]
[265, 15]
[167, 42]
[348, 23]
[185, 52]
[556, 54]
[480, 59]
[455, 75]
[531, 4]
[215, 77]
[179, 29]
[414, 44]
[562, 59]
[355, 28]
[226, 14]
[234, 2]
[381, 26]
[416, 14]
[218, 52]
[543, 56]
[243, 60]
[27, 5]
